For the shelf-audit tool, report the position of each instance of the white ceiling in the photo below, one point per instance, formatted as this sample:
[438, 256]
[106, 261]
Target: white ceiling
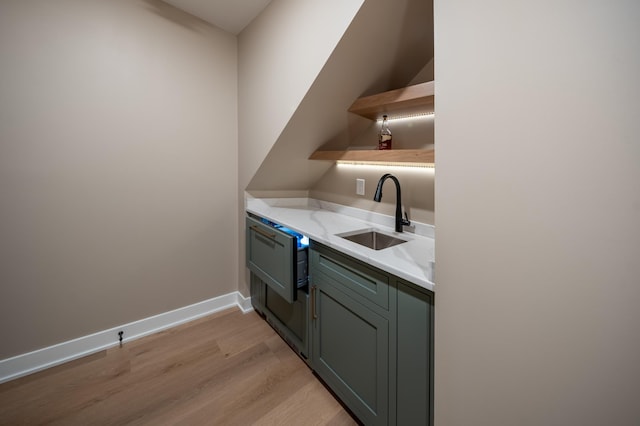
[230, 15]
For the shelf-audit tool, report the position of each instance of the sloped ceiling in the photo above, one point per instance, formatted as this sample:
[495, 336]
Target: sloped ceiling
[230, 15]
[385, 46]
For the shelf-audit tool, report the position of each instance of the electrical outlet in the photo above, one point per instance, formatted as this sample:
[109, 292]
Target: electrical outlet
[359, 186]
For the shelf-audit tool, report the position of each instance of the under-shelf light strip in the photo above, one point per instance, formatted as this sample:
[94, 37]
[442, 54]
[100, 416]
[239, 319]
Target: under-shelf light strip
[409, 117]
[386, 163]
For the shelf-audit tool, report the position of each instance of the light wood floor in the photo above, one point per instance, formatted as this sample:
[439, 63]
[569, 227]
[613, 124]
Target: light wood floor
[226, 369]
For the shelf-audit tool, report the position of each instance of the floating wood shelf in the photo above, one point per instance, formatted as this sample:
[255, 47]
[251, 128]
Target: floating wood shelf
[412, 100]
[421, 156]
[416, 99]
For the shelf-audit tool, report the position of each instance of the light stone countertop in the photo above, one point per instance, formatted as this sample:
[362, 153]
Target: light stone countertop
[413, 261]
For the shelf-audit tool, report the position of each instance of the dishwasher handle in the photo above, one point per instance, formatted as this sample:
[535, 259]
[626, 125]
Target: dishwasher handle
[263, 232]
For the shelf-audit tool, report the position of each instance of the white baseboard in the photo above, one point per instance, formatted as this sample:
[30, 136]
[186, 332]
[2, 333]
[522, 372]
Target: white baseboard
[22, 365]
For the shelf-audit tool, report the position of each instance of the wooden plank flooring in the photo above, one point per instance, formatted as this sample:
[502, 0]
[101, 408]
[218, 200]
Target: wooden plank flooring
[229, 368]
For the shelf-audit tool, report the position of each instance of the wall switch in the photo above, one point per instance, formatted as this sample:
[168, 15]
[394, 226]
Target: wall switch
[359, 186]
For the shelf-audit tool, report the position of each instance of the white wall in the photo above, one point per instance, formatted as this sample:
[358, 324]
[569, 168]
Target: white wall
[537, 213]
[280, 54]
[118, 166]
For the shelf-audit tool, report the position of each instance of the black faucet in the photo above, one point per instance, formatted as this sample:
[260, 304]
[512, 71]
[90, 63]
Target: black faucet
[378, 196]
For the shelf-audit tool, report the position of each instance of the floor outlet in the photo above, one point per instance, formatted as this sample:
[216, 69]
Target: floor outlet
[359, 186]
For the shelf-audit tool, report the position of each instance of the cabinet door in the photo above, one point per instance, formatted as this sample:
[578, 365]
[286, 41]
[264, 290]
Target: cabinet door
[350, 350]
[291, 320]
[272, 256]
[415, 360]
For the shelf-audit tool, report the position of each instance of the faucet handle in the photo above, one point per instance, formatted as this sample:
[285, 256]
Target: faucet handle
[406, 220]
[406, 224]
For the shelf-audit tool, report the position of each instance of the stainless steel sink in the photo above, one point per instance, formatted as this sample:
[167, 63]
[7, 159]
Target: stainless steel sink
[372, 239]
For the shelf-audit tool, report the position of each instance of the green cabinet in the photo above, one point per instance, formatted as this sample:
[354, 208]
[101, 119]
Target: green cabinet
[272, 256]
[290, 320]
[351, 351]
[414, 366]
[372, 339]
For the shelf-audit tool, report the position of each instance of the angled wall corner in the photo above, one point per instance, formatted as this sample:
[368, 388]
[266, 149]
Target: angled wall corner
[280, 54]
[386, 45]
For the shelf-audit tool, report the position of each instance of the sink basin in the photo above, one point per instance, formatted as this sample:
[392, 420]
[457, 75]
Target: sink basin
[373, 239]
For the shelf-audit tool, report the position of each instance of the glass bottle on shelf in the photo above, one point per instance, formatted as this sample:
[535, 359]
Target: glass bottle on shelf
[384, 137]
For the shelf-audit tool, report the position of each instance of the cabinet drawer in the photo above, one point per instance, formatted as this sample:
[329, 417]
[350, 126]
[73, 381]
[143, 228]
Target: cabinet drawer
[356, 276]
[272, 256]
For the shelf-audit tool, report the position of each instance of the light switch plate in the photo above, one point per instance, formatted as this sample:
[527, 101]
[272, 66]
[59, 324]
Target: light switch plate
[359, 186]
